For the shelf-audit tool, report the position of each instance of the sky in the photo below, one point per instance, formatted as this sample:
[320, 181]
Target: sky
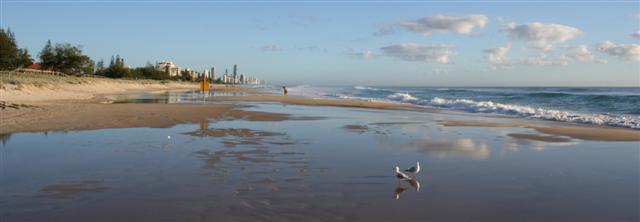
[373, 43]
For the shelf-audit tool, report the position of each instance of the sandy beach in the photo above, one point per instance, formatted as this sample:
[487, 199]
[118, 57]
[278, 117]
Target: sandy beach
[260, 156]
[74, 103]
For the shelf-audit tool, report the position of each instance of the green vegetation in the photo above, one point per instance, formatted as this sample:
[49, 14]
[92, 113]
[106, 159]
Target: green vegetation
[38, 79]
[69, 59]
[65, 58]
[11, 56]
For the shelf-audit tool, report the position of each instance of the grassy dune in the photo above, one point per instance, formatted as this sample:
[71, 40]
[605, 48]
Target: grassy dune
[14, 80]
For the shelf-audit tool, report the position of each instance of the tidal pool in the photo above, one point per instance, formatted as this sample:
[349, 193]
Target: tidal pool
[339, 167]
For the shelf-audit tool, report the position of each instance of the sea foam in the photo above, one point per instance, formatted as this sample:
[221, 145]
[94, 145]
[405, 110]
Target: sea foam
[520, 110]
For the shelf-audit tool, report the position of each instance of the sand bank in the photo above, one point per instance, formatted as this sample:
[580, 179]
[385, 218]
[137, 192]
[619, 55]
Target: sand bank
[29, 87]
[577, 132]
[296, 100]
[88, 116]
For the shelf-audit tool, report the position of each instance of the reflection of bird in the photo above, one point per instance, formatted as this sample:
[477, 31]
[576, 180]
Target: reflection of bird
[415, 184]
[414, 169]
[401, 175]
[398, 191]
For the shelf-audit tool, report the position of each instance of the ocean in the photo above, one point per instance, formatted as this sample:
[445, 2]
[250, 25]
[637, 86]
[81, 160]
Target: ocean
[617, 107]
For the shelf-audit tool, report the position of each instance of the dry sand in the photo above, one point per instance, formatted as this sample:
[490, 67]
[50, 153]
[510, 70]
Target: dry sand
[86, 89]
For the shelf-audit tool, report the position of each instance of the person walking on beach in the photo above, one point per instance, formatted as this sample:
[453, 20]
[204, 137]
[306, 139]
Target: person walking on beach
[284, 89]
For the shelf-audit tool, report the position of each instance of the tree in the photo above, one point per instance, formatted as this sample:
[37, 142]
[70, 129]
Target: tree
[48, 56]
[150, 72]
[69, 59]
[24, 59]
[185, 75]
[100, 68]
[11, 56]
[117, 69]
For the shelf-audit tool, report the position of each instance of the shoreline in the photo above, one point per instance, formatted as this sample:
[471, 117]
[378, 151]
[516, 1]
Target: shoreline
[310, 101]
[87, 106]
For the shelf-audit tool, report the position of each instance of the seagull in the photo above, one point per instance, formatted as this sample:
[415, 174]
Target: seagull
[414, 169]
[401, 175]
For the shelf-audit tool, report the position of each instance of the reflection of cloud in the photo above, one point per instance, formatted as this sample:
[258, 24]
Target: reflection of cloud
[450, 148]
[515, 144]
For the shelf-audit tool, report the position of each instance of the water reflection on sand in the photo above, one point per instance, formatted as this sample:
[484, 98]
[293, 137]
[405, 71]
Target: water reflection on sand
[336, 168]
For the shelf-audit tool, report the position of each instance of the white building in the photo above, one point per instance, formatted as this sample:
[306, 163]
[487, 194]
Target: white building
[169, 67]
[212, 75]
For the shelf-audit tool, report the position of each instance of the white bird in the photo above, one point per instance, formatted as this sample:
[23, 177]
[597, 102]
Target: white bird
[414, 169]
[168, 137]
[401, 175]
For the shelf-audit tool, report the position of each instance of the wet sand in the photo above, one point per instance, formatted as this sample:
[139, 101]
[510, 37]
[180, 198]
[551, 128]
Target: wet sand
[42, 117]
[233, 168]
[297, 100]
[583, 132]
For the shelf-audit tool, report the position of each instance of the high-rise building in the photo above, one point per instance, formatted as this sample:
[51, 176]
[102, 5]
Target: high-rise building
[213, 73]
[235, 71]
[225, 78]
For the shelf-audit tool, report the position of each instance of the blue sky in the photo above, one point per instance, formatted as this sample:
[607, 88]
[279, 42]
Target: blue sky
[434, 43]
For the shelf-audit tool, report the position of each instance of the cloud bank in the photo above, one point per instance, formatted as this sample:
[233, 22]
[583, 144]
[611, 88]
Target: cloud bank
[541, 36]
[420, 53]
[630, 52]
[460, 24]
[497, 57]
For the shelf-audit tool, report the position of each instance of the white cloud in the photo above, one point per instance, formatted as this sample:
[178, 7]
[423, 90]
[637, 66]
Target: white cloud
[544, 60]
[366, 55]
[271, 48]
[564, 56]
[636, 35]
[497, 57]
[460, 24]
[440, 71]
[621, 51]
[541, 36]
[581, 53]
[421, 53]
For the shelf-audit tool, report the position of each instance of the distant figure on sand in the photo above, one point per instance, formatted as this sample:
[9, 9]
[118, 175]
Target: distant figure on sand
[284, 89]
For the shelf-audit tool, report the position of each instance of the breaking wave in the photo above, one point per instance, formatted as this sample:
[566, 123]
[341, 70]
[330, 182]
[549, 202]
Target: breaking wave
[473, 106]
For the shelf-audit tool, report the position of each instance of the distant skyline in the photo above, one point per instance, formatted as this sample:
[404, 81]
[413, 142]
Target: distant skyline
[407, 43]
